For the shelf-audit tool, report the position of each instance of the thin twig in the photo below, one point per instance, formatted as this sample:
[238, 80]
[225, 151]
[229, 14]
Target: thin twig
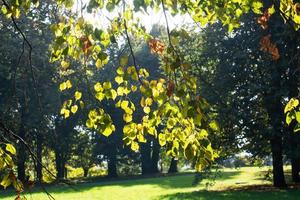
[130, 47]
[169, 38]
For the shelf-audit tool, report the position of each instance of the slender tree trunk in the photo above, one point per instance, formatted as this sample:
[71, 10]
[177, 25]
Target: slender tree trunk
[85, 172]
[39, 149]
[112, 161]
[21, 154]
[173, 166]
[278, 174]
[59, 163]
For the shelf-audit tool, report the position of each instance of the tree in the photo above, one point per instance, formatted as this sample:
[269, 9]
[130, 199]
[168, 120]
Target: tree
[179, 106]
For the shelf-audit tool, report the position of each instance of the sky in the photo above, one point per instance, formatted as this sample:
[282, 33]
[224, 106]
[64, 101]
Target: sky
[148, 20]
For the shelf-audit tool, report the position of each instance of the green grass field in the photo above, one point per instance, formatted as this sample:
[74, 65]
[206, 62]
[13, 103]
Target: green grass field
[242, 184]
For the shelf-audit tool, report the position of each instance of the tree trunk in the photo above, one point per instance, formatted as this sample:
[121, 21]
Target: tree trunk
[173, 166]
[59, 163]
[278, 174]
[39, 149]
[85, 172]
[293, 153]
[155, 157]
[112, 162]
[21, 154]
[146, 158]
[295, 169]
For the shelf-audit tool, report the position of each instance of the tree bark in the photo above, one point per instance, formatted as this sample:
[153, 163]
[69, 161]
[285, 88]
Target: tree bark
[155, 157]
[58, 162]
[278, 173]
[85, 172]
[39, 149]
[21, 154]
[295, 169]
[146, 158]
[173, 166]
[112, 162]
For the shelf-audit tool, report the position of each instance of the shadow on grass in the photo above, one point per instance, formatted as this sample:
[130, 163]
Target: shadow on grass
[180, 180]
[235, 195]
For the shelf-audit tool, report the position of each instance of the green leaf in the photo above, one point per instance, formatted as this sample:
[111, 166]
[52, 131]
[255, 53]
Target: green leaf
[123, 60]
[214, 126]
[289, 118]
[189, 151]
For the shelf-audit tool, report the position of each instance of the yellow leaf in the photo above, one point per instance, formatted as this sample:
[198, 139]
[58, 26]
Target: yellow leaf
[148, 101]
[68, 84]
[107, 85]
[141, 138]
[162, 139]
[98, 87]
[64, 64]
[62, 86]
[155, 93]
[119, 79]
[78, 95]
[133, 88]
[135, 146]
[113, 94]
[293, 103]
[99, 63]
[147, 110]
[120, 91]
[108, 131]
[10, 148]
[120, 71]
[74, 109]
[100, 96]
[6, 181]
[124, 104]
[66, 113]
[127, 118]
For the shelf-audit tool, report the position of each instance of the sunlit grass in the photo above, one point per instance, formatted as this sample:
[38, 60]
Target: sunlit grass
[170, 187]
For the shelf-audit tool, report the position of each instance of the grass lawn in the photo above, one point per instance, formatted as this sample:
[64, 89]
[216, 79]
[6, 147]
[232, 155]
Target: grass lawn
[233, 184]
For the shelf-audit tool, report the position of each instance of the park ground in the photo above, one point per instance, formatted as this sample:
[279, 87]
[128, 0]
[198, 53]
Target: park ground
[247, 183]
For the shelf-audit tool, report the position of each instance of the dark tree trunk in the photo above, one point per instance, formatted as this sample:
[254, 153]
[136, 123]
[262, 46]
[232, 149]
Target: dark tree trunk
[155, 157]
[112, 161]
[295, 169]
[21, 154]
[272, 101]
[294, 147]
[39, 149]
[65, 170]
[146, 158]
[85, 172]
[173, 166]
[59, 165]
[278, 174]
